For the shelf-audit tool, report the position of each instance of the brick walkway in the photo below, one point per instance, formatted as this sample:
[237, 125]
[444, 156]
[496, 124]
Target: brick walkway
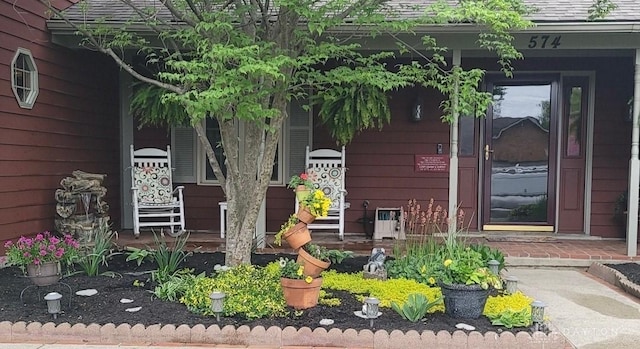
[539, 247]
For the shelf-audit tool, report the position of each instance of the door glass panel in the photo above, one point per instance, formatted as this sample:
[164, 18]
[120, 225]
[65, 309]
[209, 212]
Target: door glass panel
[574, 126]
[467, 133]
[519, 161]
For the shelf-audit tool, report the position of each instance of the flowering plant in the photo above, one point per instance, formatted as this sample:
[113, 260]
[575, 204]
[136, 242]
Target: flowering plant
[467, 267]
[318, 203]
[290, 269]
[302, 179]
[291, 221]
[42, 248]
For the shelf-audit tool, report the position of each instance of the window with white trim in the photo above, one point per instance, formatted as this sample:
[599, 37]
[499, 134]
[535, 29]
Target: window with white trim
[192, 166]
[24, 78]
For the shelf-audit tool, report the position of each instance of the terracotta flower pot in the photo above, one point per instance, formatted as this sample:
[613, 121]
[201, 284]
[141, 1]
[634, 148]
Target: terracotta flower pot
[44, 274]
[297, 236]
[304, 215]
[302, 192]
[312, 265]
[299, 294]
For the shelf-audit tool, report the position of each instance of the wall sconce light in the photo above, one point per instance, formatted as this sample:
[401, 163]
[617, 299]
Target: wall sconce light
[217, 303]
[53, 303]
[494, 266]
[371, 305]
[537, 314]
[417, 110]
[512, 284]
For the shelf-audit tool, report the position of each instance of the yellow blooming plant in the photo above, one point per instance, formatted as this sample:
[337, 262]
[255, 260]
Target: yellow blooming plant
[318, 203]
[292, 270]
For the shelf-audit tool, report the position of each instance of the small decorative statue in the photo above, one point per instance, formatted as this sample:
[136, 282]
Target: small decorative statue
[376, 261]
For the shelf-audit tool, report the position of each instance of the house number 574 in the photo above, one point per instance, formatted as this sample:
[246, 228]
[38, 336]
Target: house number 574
[544, 41]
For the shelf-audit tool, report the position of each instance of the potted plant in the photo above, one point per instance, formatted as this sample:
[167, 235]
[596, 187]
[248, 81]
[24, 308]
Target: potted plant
[316, 258]
[40, 257]
[464, 279]
[294, 232]
[300, 291]
[316, 204]
[301, 184]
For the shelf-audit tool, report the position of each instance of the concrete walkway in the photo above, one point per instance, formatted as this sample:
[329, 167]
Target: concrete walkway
[589, 312]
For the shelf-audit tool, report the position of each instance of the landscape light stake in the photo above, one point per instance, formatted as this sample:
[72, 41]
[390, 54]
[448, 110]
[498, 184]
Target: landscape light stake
[494, 266]
[371, 309]
[512, 284]
[537, 314]
[217, 303]
[53, 303]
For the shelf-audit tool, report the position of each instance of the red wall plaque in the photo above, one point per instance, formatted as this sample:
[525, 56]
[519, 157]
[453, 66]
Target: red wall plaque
[432, 163]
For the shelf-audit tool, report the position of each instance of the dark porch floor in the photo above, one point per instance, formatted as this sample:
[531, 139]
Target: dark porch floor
[541, 248]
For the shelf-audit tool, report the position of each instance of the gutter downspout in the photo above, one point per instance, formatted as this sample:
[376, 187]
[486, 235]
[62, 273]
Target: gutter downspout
[634, 168]
[453, 155]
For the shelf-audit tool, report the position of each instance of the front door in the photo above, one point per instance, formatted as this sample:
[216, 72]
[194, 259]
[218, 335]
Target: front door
[519, 157]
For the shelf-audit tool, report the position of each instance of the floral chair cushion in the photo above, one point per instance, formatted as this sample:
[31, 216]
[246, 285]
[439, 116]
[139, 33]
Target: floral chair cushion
[154, 185]
[329, 180]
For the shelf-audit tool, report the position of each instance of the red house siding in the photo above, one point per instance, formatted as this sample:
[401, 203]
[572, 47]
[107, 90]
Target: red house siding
[73, 124]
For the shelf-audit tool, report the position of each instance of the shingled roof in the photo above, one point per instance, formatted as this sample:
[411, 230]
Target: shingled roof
[559, 11]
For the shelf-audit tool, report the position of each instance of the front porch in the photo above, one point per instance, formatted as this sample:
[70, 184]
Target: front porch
[521, 250]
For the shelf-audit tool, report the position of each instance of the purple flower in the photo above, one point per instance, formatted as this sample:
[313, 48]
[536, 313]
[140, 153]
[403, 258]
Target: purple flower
[51, 248]
[43, 252]
[54, 240]
[59, 253]
[36, 261]
[8, 244]
[26, 254]
[39, 237]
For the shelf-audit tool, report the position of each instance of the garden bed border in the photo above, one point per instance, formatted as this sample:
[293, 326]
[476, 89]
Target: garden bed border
[614, 278]
[273, 337]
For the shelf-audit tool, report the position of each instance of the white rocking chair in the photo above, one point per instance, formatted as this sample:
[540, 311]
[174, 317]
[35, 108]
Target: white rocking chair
[155, 202]
[326, 169]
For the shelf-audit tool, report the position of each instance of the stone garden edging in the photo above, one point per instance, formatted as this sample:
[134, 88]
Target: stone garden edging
[614, 277]
[273, 337]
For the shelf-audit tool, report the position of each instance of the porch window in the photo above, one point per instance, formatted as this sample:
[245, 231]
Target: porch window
[24, 78]
[192, 166]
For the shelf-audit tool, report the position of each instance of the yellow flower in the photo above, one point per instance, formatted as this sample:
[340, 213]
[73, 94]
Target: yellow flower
[447, 262]
[308, 279]
[300, 270]
[432, 280]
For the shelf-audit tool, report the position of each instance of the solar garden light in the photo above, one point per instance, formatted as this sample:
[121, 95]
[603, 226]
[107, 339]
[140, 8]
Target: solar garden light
[217, 303]
[494, 266]
[53, 303]
[512, 284]
[371, 309]
[537, 314]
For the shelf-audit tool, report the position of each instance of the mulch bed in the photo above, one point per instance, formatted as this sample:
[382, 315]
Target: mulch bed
[134, 283]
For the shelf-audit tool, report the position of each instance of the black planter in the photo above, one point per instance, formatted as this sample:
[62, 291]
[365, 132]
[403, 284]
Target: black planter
[464, 301]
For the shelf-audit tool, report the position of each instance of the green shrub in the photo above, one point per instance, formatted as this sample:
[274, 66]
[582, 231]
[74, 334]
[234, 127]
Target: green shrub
[393, 290]
[511, 319]
[252, 292]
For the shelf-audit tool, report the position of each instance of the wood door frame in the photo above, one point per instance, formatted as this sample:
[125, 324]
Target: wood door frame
[554, 80]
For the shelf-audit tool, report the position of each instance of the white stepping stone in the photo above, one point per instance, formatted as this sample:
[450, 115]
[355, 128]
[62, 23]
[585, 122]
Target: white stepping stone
[87, 293]
[126, 301]
[133, 310]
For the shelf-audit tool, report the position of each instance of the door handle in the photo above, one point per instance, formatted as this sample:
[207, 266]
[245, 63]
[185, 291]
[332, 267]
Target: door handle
[487, 151]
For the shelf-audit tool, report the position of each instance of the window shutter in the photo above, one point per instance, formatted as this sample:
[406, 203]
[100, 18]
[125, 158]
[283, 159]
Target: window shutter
[183, 157]
[299, 136]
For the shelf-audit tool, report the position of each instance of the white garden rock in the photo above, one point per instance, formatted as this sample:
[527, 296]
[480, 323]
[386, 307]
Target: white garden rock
[126, 301]
[87, 293]
[133, 310]
[326, 322]
[463, 326]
